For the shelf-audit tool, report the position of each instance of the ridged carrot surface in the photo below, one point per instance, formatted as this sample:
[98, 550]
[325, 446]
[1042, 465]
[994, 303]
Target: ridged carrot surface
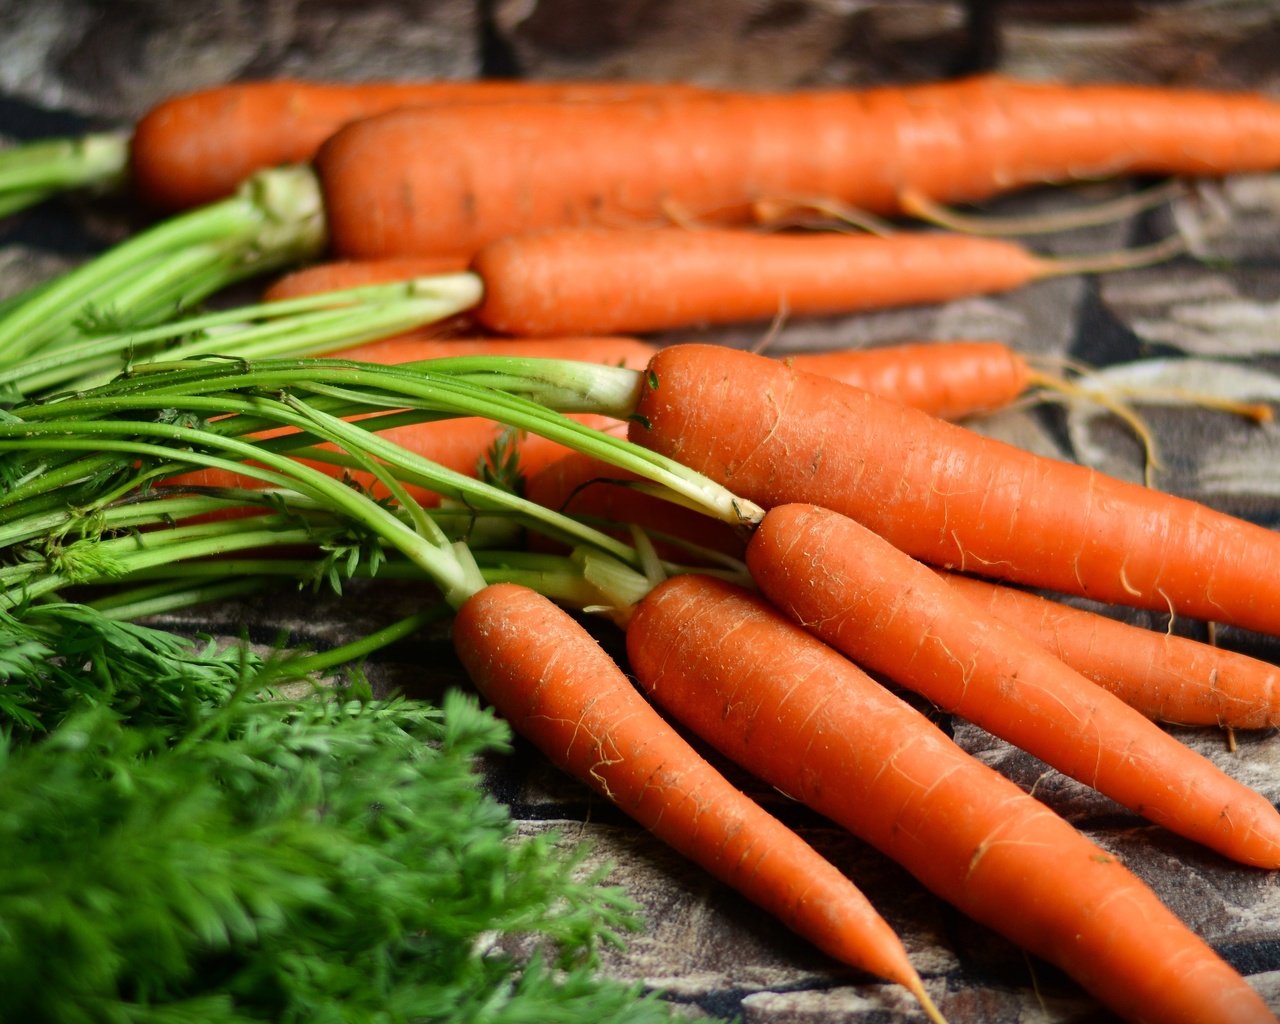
[550, 679]
[807, 721]
[893, 615]
[451, 180]
[1169, 678]
[949, 496]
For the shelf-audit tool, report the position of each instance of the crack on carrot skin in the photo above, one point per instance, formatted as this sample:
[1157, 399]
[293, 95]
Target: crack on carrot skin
[991, 841]
[779, 407]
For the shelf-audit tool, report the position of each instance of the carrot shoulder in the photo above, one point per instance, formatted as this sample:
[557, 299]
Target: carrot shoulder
[950, 497]
[891, 614]
[550, 679]
[593, 280]
[198, 146]
[790, 709]
[1167, 677]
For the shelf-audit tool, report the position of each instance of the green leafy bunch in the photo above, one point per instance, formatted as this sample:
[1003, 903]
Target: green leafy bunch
[321, 859]
[59, 658]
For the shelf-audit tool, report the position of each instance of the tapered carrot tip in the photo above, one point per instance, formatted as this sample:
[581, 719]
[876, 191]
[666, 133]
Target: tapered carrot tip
[928, 1005]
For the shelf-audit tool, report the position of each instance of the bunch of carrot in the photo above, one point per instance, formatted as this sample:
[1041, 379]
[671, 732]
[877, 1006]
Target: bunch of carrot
[562, 205]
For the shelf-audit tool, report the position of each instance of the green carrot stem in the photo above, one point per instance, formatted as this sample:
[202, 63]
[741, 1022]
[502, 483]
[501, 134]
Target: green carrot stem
[275, 218]
[358, 650]
[112, 560]
[412, 386]
[70, 520]
[175, 595]
[296, 327]
[566, 385]
[113, 435]
[446, 566]
[449, 566]
[420, 385]
[33, 171]
[130, 297]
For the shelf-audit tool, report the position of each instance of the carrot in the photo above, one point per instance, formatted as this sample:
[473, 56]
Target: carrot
[948, 496]
[950, 379]
[891, 614]
[592, 280]
[1169, 678]
[955, 378]
[807, 721]
[199, 146]
[451, 180]
[550, 679]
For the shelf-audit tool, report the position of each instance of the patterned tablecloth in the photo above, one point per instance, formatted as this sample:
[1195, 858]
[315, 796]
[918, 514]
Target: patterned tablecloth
[1209, 319]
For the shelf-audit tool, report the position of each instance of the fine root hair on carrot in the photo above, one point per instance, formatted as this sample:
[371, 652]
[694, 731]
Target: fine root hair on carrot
[1108, 211]
[1065, 391]
[1119, 400]
[1135, 258]
[830, 214]
[774, 330]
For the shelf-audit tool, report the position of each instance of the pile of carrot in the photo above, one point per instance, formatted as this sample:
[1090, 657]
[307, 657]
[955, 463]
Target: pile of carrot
[595, 214]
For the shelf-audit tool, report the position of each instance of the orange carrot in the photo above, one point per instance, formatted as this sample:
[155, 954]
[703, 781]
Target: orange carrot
[592, 280]
[794, 712]
[1167, 677]
[950, 497]
[891, 614]
[550, 679]
[954, 378]
[950, 379]
[451, 180]
[197, 147]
